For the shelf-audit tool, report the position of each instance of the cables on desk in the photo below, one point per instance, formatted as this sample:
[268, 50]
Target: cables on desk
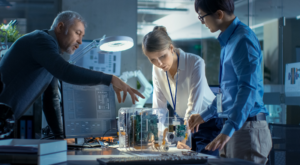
[107, 131]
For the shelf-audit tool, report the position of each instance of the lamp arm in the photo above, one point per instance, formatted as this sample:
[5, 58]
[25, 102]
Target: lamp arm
[127, 75]
[86, 49]
[144, 83]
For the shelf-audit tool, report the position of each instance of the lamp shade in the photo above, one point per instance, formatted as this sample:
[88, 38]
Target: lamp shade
[116, 43]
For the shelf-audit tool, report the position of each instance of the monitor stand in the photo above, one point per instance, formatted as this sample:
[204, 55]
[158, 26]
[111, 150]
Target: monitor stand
[79, 141]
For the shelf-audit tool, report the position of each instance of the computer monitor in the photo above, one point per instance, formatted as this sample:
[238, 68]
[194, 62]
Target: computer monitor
[107, 62]
[89, 111]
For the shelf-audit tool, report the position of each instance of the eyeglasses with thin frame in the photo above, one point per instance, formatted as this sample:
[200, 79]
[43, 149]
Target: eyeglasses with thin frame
[201, 18]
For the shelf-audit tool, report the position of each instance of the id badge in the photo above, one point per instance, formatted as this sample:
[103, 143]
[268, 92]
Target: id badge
[219, 103]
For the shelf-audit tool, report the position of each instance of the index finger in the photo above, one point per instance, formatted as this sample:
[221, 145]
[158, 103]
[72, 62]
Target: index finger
[191, 124]
[216, 146]
[124, 95]
[197, 127]
[222, 146]
[133, 97]
[118, 94]
[119, 97]
[137, 93]
[191, 127]
[192, 130]
[208, 146]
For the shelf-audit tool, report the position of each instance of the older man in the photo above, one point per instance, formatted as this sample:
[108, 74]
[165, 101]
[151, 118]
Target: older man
[34, 62]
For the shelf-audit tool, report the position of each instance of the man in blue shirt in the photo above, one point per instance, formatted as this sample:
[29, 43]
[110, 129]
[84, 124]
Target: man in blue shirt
[245, 133]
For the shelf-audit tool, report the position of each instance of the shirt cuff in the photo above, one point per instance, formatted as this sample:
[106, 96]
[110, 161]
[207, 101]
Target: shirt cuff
[206, 115]
[228, 129]
[106, 79]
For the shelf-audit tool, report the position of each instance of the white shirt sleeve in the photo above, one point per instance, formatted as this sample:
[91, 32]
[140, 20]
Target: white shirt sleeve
[159, 100]
[197, 89]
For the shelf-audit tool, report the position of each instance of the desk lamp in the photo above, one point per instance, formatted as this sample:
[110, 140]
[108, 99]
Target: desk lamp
[106, 44]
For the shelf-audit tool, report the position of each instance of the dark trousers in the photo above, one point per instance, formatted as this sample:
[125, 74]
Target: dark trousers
[208, 131]
[52, 108]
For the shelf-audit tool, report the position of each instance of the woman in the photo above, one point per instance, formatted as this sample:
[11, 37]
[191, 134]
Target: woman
[179, 78]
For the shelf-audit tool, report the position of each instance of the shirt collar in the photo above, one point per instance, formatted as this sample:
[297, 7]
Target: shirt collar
[52, 34]
[64, 55]
[224, 36]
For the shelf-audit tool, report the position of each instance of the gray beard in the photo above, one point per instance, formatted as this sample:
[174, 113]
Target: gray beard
[70, 51]
[66, 56]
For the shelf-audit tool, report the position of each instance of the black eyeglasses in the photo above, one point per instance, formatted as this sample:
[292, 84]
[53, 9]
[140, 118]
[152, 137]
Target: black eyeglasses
[201, 18]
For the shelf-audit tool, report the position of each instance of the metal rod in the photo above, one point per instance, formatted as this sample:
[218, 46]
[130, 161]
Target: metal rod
[85, 50]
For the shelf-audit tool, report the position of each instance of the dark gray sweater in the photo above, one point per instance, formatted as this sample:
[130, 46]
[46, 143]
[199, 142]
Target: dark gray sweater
[29, 66]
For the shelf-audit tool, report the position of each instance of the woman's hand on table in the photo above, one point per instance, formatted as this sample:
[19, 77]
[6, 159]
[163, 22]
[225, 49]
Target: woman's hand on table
[194, 122]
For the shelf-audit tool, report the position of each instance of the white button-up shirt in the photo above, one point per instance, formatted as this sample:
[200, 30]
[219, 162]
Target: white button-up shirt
[193, 92]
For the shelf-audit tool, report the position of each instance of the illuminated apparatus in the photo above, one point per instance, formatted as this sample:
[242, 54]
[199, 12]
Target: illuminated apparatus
[116, 44]
[143, 128]
[106, 44]
[150, 129]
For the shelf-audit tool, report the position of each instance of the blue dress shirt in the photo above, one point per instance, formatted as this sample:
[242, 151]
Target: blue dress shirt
[240, 77]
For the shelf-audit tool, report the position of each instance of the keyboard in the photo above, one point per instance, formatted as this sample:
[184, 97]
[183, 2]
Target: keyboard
[164, 159]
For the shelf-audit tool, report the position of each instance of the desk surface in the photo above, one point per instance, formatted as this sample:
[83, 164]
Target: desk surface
[94, 153]
[210, 162]
[89, 156]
